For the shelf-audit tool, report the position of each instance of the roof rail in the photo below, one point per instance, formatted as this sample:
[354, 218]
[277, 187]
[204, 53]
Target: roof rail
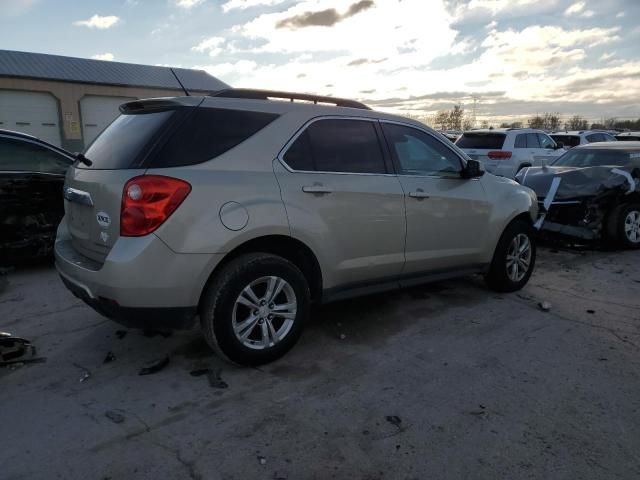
[267, 94]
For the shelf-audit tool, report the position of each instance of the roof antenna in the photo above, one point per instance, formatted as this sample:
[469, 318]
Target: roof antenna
[185, 90]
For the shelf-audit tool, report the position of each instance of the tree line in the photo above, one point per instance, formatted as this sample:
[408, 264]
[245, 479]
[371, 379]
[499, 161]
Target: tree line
[459, 119]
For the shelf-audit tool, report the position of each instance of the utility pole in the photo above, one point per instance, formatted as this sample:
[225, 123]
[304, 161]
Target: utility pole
[474, 111]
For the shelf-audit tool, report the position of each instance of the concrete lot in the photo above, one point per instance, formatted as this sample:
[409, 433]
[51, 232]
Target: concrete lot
[443, 381]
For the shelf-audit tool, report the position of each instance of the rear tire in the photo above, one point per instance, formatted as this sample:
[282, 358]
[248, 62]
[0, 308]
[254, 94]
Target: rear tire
[253, 310]
[623, 226]
[514, 258]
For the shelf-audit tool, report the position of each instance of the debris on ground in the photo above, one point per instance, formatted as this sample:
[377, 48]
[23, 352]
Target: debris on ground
[591, 311]
[199, 372]
[215, 380]
[16, 350]
[544, 306]
[87, 373]
[342, 336]
[155, 366]
[393, 420]
[262, 460]
[115, 417]
[109, 358]
[120, 334]
[154, 333]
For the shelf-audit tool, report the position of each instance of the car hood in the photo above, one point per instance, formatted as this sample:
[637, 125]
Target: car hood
[576, 182]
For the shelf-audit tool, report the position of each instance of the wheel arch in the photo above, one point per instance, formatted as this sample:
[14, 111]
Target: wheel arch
[284, 246]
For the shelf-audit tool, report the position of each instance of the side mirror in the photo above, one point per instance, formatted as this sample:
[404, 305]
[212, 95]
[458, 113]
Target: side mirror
[473, 169]
[559, 145]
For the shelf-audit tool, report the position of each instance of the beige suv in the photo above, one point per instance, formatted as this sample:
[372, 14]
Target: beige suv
[240, 210]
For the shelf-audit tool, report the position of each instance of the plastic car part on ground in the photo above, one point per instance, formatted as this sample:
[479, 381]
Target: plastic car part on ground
[14, 350]
[583, 196]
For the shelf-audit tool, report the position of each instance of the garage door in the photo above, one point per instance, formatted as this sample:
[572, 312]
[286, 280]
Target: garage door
[97, 113]
[35, 113]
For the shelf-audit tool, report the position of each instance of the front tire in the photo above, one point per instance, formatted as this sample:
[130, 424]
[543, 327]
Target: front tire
[514, 258]
[254, 309]
[623, 226]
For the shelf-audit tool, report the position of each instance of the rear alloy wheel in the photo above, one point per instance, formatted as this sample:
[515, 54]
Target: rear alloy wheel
[253, 310]
[624, 225]
[514, 258]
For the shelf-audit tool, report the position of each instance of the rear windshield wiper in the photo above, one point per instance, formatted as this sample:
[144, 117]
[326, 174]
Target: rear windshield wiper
[81, 158]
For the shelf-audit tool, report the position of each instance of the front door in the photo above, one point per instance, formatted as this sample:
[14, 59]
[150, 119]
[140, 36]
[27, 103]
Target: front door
[447, 216]
[343, 200]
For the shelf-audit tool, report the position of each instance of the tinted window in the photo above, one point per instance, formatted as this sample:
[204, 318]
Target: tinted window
[18, 155]
[597, 158]
[567, 140]
[489, 141]
[418, 153]
[532, 140]
[208, 133]
[608, 138]
[299, 156]
[122, 142]
[545, 141]
[345, 146]
[521, 141]
[628, 138]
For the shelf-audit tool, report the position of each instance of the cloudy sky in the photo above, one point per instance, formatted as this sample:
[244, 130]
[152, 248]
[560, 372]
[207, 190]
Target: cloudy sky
[517, 57]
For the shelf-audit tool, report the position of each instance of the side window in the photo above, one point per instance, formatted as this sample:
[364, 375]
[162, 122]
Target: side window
[545, 141]
[521, 141]
[299, 155]
[418, 153]
[349, 146]
[532, 140]
[17, 155]
[608, 138]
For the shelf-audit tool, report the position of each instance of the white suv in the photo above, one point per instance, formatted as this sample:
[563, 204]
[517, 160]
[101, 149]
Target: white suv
[582, 137]
[505, 151]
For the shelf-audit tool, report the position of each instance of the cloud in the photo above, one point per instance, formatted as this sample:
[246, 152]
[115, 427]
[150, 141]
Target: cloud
[104, 56]
[99, 22]
[244, 4]
[323, 18]
[13, 8]
[188, 3]
[578, 9]
[212, 45]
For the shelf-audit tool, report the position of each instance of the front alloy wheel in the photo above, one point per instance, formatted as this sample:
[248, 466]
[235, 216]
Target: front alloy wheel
[518, 257]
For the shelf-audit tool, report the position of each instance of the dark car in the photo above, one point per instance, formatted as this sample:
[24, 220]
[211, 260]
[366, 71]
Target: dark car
[592, 192]
[31, 203]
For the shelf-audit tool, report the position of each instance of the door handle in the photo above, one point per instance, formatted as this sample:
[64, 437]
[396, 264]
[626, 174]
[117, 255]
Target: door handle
[420, 194]
[317, 188]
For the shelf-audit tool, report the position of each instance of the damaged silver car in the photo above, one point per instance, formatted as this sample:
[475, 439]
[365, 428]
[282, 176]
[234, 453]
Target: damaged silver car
[590, 193]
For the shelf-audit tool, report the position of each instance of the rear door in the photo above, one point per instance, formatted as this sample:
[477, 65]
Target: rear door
[547, 151]
[342, 198]
[447, 215]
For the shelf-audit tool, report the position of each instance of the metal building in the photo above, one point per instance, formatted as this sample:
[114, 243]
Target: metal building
[67, 101]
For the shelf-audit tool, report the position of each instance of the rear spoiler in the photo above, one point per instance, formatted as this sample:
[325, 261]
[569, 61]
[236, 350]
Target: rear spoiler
[159, 104]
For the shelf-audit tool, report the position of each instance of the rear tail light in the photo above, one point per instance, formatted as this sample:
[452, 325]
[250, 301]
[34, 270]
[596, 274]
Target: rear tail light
[499, 155]
[148, 201]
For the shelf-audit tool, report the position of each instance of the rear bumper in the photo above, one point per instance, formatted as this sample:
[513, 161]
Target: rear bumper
[133, 317]
[142, 282]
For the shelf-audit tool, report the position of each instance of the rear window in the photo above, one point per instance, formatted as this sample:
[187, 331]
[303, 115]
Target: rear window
[178, 137]
[488, 141]
[567, 140]
[122, 142]
[598, 158]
